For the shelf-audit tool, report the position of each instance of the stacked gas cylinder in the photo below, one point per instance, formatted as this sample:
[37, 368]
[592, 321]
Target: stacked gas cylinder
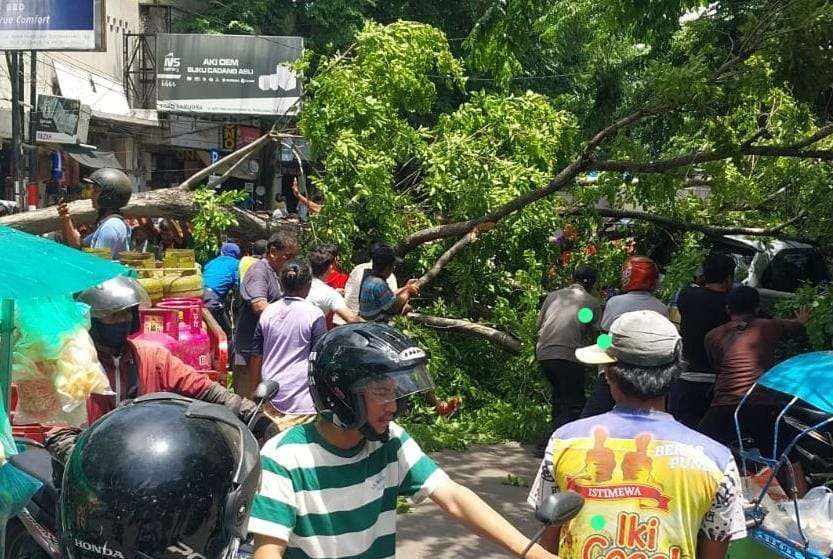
[176, 319]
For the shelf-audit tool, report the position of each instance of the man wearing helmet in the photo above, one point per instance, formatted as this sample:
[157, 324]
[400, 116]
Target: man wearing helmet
[640, 277]
[329, 488]
[136, 367]
[111, 192]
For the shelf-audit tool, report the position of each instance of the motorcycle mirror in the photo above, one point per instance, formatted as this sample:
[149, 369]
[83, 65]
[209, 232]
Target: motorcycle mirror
[559, 508]
[266, 390]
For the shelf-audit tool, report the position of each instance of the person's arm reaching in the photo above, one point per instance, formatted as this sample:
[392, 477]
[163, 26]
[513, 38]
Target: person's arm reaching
[177, 377]
[462, 504]
[269, 548]
[71, 235]
[403, 295]
[314, 207]
[348, 315]
[254, 289]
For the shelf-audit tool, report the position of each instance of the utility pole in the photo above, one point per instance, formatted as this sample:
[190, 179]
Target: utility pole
[13, 60]
[33, 123]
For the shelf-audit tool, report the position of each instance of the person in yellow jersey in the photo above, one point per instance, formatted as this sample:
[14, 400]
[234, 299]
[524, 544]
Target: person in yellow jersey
[258, 250]
[652, 486]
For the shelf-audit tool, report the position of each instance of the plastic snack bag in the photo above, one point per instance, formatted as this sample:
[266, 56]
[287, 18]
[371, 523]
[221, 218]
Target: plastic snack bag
[54, 362]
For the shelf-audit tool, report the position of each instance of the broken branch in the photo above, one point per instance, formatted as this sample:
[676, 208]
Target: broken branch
[497, 337]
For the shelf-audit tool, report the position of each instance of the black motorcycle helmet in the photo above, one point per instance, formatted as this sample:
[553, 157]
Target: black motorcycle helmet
[115, 188]
[349, 358]
[164, 477]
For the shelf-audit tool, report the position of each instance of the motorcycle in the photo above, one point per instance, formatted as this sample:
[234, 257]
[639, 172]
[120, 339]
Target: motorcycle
[33, 534]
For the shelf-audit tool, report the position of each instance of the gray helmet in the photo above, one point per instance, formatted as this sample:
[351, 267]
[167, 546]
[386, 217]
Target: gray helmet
[114, 295]
[115, 187]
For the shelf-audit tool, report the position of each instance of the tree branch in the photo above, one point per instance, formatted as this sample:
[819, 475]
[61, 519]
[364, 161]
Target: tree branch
[497, 337]
[446, 257]
[460, 228]
[672, 223]
[191, 181]
[633, 118]
[174, 203]
[663, 165]
[219, 180]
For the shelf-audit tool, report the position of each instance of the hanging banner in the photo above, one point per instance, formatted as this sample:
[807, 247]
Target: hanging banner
[228, 74]
[61, 120]
[52, 25]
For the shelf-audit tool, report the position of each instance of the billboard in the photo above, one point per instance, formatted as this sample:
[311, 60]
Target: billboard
[229, 74]
[61, 120]
[52, 25]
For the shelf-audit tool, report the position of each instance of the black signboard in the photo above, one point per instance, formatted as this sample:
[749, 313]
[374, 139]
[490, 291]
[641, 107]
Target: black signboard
[229, 74]
[61, 120]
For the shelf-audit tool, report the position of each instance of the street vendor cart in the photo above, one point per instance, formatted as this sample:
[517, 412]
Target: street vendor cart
[32, 267]
[780, 523]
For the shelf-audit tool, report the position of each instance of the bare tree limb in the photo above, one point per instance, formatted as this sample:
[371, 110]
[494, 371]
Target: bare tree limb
[497, 337]
[820, 134]
[663, 165]
[446, 257]
[672, 223]
[191, 181]
[219, 180]
[458, 229]
[633, 118]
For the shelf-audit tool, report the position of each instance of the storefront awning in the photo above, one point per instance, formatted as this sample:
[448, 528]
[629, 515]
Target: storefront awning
[105, 97]
[95, 158]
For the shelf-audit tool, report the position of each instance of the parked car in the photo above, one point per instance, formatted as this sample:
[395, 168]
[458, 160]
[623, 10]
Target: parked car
[776, 268]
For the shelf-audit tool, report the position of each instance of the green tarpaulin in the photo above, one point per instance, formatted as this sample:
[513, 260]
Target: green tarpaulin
[31, 266]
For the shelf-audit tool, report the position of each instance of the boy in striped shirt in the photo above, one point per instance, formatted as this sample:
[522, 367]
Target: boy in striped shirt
[329, 489]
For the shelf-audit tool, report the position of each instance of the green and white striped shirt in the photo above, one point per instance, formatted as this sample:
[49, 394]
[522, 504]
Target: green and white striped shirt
[330, 503]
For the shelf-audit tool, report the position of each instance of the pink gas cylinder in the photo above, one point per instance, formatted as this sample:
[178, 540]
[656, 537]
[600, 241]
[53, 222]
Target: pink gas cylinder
[195, 343]
[159, 326]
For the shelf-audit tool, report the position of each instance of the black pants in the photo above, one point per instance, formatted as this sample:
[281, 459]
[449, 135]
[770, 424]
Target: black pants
[567, 379]
[757, 424]
[600, 401]
[217, 308]
[689, 401]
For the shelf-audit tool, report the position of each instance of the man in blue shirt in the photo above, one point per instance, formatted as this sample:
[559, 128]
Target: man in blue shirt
[111, 192]
[220, 276]
[377, 302]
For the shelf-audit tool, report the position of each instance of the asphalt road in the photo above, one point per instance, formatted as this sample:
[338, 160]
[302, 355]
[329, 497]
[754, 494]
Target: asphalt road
[426, 532]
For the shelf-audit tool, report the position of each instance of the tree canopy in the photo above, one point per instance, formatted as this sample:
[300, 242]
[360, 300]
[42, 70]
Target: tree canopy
[513, 120]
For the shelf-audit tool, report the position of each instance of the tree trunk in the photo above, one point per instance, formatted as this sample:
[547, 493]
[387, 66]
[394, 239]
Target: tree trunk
[173, 203]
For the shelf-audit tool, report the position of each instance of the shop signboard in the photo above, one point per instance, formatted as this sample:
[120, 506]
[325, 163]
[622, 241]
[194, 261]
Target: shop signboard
[227, 74]
[61, 120]
[52, 25]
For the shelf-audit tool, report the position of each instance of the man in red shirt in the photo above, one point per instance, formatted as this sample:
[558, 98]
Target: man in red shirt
[135, 368]
[333, 277]
[740, 351]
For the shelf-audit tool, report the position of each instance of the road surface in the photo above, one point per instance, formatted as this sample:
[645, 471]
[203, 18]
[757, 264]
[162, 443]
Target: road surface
[426, 532]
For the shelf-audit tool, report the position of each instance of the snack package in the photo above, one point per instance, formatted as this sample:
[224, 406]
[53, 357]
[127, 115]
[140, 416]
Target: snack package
[54, 362]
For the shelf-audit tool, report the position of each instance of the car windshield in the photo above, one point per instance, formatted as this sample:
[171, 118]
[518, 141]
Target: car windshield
[791, 268]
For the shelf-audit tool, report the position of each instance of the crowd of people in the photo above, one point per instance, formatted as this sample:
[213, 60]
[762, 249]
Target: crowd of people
[647, 449]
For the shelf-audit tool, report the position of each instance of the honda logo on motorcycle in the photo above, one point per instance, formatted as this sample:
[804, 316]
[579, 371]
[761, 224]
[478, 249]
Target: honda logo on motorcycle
[102, 550]
[186, 551]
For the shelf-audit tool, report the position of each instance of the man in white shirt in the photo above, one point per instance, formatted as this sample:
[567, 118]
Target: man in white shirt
[323, 296]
